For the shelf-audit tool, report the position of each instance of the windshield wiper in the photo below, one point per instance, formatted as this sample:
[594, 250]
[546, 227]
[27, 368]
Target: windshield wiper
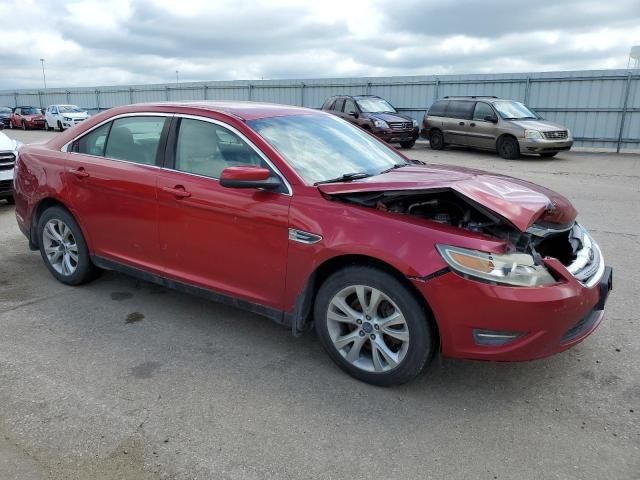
[347, 177]
[397, 165]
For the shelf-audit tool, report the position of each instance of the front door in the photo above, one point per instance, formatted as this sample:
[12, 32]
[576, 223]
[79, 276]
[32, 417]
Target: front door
[111, 173]
[233, 241]
[483, 133]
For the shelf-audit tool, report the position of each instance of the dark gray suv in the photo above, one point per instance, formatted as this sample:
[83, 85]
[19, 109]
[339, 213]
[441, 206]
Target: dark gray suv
[491, 123]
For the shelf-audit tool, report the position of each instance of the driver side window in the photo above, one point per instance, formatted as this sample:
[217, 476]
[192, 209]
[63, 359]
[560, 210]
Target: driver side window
[204, 148]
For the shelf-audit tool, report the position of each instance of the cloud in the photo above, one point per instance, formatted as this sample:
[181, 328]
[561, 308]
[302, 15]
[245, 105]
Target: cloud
[94, 42]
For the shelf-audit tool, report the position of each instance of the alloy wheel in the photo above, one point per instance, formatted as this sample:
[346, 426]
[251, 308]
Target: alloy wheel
[367, 328]
[60, 247]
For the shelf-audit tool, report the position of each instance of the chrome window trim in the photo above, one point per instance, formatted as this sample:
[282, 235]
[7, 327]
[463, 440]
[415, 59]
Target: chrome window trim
[259, 152]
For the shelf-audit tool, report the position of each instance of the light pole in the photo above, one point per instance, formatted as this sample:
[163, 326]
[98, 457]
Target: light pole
[177, 78]
[44, 78]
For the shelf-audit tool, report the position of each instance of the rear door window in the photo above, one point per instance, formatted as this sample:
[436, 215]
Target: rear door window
[438, 108]
[135, 139]
[459, 109]
[338, 105]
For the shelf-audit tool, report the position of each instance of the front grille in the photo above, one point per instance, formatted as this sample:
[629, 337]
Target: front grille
[5, 186]
[401, 125]
[7, 160]
[556, 135]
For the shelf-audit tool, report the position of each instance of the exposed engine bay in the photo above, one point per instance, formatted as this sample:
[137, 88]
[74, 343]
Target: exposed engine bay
[451, 208]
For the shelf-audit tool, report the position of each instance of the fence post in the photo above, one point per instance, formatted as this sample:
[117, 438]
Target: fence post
[526, 90]
[15, 99]
[302, 94]
[166, 93]
[98, 100]
[40, 98]
[131, 95]
[624, 111]
[206, 87]
[67, 96]
[436, 93]
[368, 88]
[250, 92]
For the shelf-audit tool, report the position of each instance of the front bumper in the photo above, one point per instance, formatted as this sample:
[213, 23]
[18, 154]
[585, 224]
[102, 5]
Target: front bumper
[548, 319]
[72, 122]
[35, 123]
[397, 136]
[535, 145]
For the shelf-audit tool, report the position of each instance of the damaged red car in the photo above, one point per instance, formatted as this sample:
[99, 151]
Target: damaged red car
[306, 219]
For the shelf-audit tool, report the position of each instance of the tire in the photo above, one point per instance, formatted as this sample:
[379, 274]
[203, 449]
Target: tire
[548, 154]
[10, 200]
[408, 145]
[53, 220]
[508, 148]
[60, 126]
[364, 332]
[436, 140]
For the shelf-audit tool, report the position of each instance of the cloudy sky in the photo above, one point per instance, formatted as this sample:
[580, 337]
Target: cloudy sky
[110, 42]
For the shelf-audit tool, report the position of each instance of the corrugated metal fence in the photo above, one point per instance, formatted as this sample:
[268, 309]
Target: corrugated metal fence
[601, 107]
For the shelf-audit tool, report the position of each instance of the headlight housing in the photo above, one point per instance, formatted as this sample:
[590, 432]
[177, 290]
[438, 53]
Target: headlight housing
[68, 119]
[380, 123]
[533, 134]
[415, 123]
[517, 269]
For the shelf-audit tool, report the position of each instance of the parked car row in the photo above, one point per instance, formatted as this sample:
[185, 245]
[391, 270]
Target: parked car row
[54, 116]
[484, 122]
[310, 220]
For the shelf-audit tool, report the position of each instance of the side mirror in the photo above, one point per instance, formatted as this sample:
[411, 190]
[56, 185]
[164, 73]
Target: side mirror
[354, 114]
[490, 118]
[249, 177]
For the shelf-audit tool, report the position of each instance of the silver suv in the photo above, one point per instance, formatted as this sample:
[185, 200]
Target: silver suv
[491, 123]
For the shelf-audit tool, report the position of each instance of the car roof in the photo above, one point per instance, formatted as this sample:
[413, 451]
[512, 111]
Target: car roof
[474, 98]
[240, 110]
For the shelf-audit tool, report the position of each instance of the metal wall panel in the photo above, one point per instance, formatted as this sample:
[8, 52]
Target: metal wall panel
[601, 107]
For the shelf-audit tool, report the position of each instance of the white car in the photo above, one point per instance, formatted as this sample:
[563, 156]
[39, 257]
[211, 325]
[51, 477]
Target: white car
[64, 116]
[8, 155]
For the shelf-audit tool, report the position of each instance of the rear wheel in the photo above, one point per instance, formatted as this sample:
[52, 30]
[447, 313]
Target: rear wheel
[508, 148]
[372, 326]
[548, 154]
[436, 140]
[408, 144]
[63, 247]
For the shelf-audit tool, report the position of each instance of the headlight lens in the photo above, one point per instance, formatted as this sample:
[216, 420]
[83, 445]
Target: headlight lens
[68, 119]
[517, 269]
[533, 134]
[415, 124]
[380, 123]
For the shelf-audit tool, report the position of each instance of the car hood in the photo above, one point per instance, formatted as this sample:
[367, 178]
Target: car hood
[75, 115]
[390, 117]
[7, 144]
[542, 125]
[33, 117]
[519, 202]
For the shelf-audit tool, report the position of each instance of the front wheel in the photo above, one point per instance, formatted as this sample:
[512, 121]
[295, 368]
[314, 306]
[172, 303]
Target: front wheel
[63, 247]
[373, 327]
[60, 127]
[508, 148]
[408, 144]
[24, 126]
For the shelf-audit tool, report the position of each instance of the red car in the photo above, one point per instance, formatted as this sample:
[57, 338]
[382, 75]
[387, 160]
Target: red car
[26, 117]
[308, 220]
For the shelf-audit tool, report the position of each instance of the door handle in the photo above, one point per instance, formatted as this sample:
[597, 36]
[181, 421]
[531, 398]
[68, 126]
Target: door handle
[461, 123]
[472, 124]
[178, 191]
[80, 172]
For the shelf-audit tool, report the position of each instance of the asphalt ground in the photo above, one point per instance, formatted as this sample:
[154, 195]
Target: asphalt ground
[120, 379]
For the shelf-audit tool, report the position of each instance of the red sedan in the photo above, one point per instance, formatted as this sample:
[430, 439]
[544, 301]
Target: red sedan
[26, 117]
[308, 220]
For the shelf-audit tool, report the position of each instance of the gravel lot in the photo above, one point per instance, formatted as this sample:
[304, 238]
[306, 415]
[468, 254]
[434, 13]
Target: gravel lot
[125, 380]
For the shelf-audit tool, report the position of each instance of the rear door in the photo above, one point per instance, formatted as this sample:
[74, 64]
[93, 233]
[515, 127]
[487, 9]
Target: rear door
[229, 240]
[483, 133]
[456, 121]
[111, 175]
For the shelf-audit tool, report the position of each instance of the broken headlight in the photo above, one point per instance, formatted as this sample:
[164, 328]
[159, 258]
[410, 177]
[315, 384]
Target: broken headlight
[518, 269]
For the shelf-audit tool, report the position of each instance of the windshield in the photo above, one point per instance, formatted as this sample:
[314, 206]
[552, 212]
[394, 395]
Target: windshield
[31, 111]
[323, 147]
[69, 109]
[374, 105]
[5, 110]
[514, 110]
